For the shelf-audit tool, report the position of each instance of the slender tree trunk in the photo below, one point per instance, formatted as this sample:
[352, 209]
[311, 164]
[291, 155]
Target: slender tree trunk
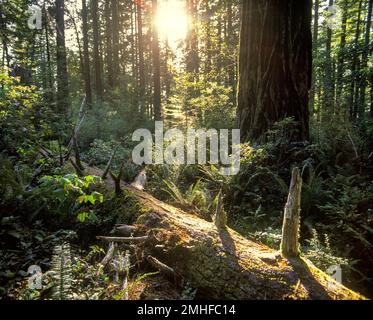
[115, 30]
[230, 39]
[62, 75]
[315, 52]
[341, 58]
[156, 66]
[167, 72]
[96, 50]
[354, 67]
[364, 64]
[78, 42]
[208, 63]
[329, 73]
[192, 61]
[219, 53]
[275, 66]
[140, 39]
[49, 63]
[109, 47]
[87, 69]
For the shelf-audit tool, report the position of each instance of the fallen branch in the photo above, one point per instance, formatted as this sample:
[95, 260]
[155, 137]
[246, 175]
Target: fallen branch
[77, 153]
[107, 169]
[164, 269]
[78, 125]
[78, 171]
[123, 239]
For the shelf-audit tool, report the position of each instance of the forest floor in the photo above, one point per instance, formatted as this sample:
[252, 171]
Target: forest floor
[216, 264]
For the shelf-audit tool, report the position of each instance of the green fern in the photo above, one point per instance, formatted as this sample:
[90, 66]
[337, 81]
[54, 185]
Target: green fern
[61, 272]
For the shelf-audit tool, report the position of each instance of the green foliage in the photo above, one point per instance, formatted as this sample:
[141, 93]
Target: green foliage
[213, 107]
[69, 194]
[18, 114]
[321, 253]
[10, 188]
[100, 152]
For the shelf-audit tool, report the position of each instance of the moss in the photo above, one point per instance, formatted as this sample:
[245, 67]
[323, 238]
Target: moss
[123, 209]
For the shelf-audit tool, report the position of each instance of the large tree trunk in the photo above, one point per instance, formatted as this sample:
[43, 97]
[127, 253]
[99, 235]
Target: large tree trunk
[156, 66]
[62, 76]
[221, 264]
[275, 66]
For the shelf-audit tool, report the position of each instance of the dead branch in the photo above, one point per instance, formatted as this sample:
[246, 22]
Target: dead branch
[164, 269]
[78, 125]
[77, 153]
[109, 255]
[78, 171]
[117, 179]
[106, 172]
[123, 239]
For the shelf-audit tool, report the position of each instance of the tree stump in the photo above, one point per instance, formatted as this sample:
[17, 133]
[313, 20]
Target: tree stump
[290, 227]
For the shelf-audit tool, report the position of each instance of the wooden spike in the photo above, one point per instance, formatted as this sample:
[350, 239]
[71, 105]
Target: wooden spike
[290, 227]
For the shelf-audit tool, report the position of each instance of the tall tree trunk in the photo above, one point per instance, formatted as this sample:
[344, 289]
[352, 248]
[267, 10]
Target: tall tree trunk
[49, 95]
[115, 30]
[275, 66]
[341, 57]
[140, 39]
[87, 69]
[62, 75]
[230, 40]
[354, 67]
[192, 60]
[315, 37]
[329, 73]
[109, 46]
[156, 66]
[364, 64]
[96, 50]
[167, 72]
[208, 63]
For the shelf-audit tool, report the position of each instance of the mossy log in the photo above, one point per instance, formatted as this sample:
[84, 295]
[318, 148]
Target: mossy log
[222, 264]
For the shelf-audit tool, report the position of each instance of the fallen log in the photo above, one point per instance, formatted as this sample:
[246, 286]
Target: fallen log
[222, 264]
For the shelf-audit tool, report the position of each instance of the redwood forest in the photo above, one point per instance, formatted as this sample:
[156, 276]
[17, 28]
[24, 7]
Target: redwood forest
[186, 150]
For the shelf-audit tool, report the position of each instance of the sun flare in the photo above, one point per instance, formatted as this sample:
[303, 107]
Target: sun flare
[172, 21]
